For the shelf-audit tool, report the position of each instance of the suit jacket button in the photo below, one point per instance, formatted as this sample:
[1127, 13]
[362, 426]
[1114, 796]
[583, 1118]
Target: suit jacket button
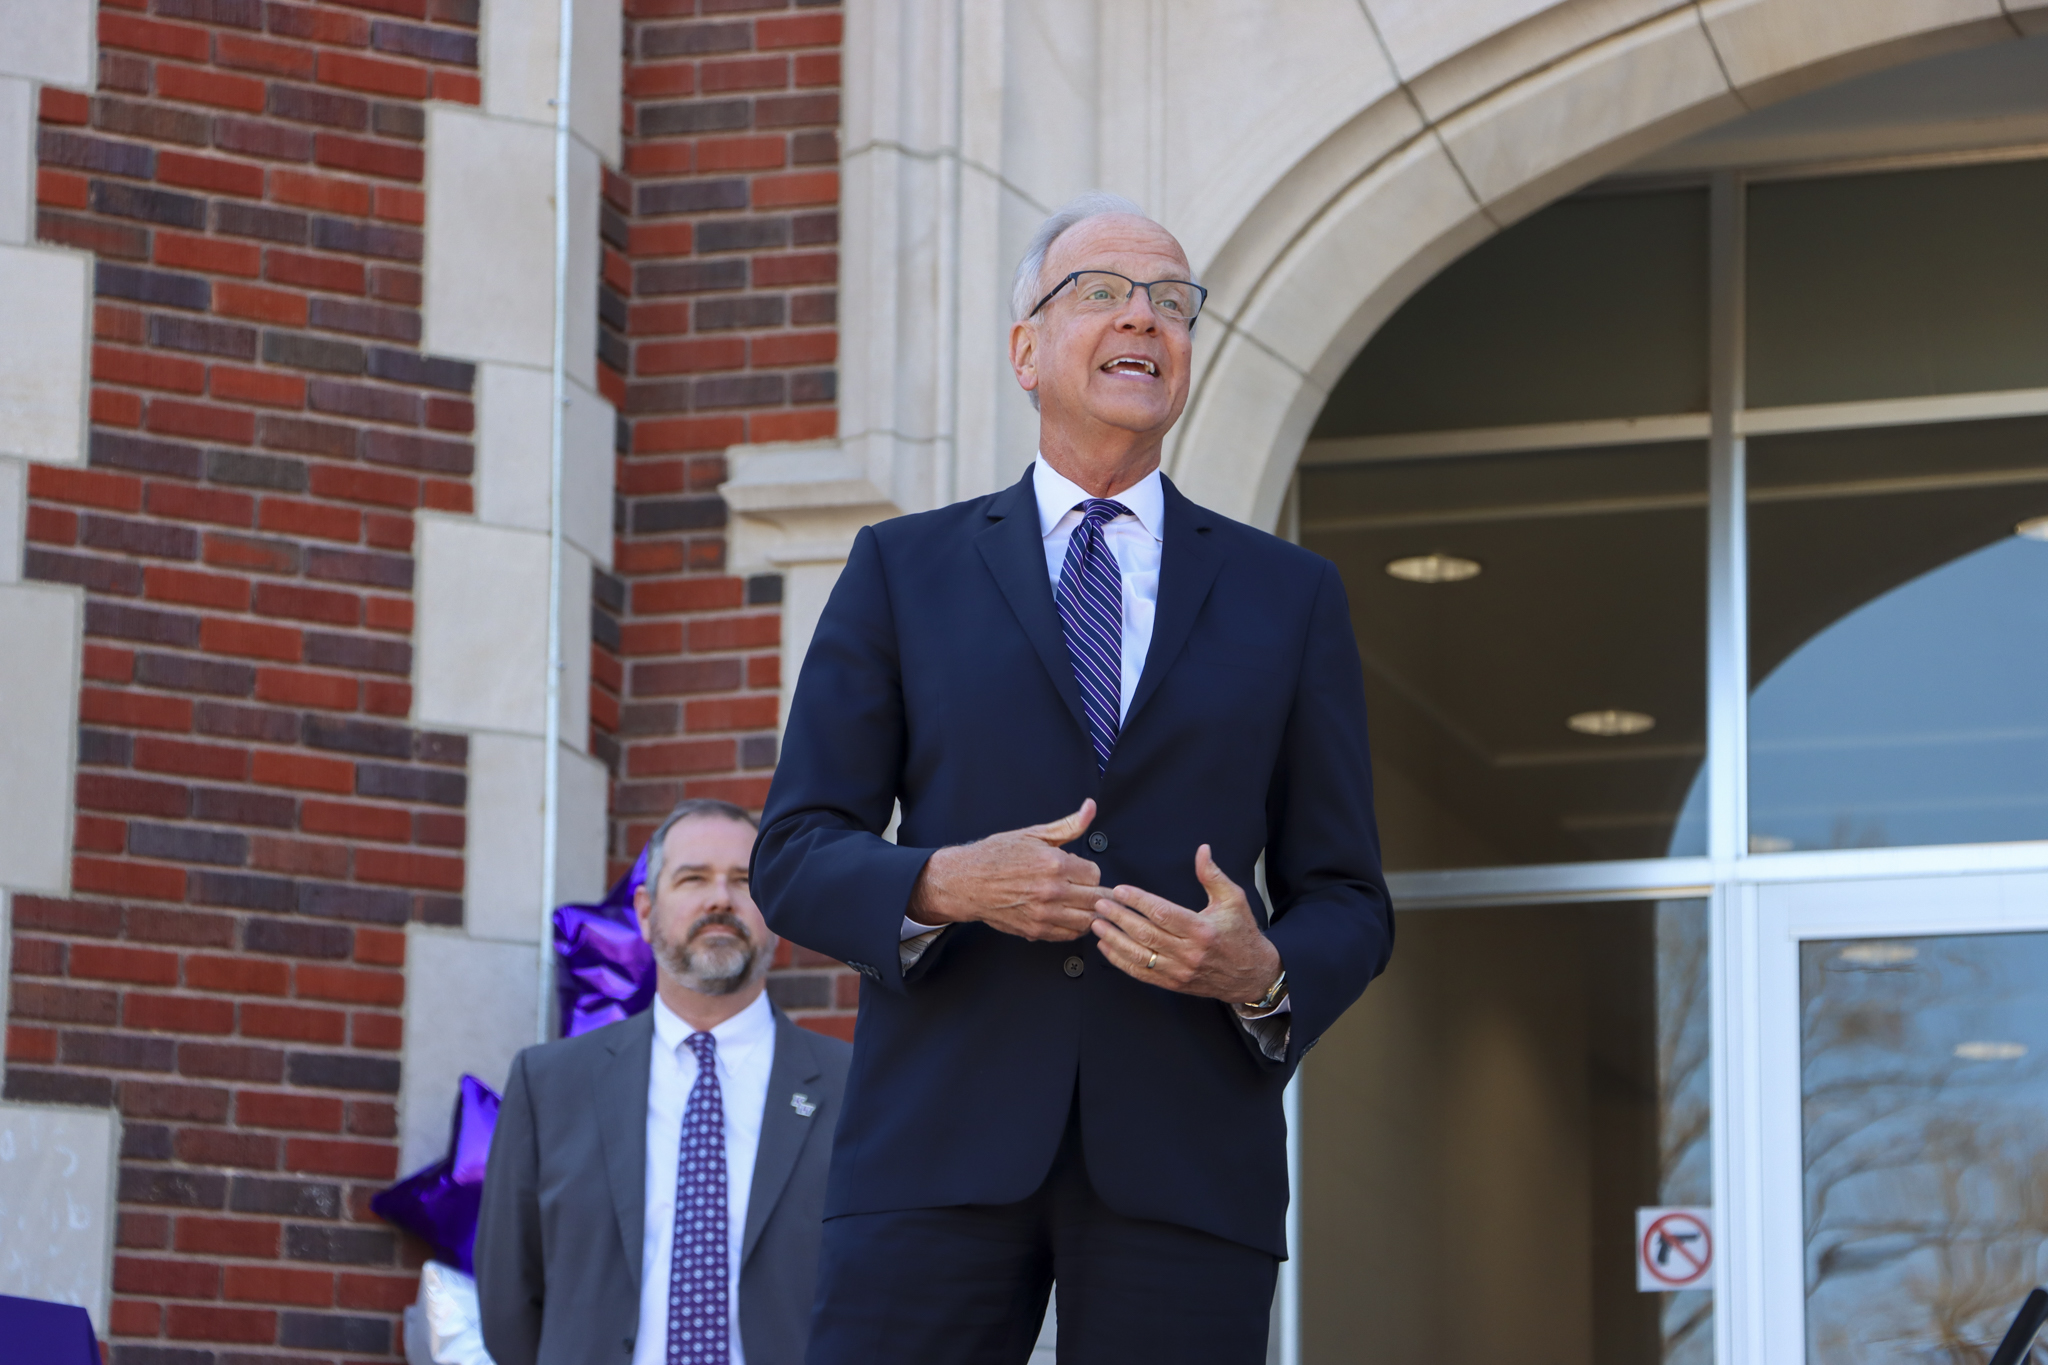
[1099, 842]
[1074, 966]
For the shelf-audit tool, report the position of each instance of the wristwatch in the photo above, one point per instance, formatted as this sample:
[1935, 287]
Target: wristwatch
[1273, 995]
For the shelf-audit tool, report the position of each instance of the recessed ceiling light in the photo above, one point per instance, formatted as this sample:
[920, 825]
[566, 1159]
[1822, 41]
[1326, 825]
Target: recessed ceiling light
[1433, 569]
[1769, 843]
[1879, 954]
[2033, 528]
[1991, 1052]
[1610, 724]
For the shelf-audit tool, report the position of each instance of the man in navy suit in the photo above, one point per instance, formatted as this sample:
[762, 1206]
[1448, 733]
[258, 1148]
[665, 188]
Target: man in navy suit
[1097, 706]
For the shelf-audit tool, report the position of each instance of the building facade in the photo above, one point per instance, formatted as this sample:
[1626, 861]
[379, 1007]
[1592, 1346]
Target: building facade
[425, 450]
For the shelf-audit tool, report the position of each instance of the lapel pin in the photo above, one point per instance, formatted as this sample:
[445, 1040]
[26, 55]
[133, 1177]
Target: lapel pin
[802, 1104]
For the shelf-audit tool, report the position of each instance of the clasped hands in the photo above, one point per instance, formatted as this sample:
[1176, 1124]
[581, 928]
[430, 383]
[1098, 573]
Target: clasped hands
[1023, 882]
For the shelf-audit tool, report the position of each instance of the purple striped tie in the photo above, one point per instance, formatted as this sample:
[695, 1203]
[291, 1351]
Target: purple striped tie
[1091, 603]
[699, 1321]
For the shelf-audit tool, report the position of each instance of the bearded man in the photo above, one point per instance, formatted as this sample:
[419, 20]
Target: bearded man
[656, 1187]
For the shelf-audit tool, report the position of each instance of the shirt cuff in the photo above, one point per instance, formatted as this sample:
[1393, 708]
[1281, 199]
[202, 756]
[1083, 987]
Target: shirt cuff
[910, 949]
[1270, 1030]
[911, 928]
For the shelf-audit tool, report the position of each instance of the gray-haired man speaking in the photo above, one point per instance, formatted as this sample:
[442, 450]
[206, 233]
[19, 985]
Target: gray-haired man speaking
[1098, 705]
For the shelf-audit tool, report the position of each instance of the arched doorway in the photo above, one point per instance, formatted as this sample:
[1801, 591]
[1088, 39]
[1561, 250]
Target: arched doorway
[1693, 528]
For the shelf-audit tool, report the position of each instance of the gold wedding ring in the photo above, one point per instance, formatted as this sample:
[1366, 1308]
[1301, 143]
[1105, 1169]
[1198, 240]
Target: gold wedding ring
[1152, 962]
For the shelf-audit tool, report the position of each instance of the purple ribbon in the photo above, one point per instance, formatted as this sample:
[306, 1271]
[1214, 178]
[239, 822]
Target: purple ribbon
[604, 970]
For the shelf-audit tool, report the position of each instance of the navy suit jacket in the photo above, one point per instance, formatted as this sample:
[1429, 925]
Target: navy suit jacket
[939, 677]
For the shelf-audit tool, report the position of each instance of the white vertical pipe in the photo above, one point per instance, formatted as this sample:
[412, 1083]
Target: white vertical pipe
[551, 779]
[1290, 1269]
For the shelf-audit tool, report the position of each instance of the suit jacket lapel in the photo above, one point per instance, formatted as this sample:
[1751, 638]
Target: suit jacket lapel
[1188, 563]
[621, 1109]
[783, 1129]
[1015, 553]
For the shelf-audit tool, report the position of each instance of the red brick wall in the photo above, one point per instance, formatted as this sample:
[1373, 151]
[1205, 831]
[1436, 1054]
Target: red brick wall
[256, 820]
[719, 326]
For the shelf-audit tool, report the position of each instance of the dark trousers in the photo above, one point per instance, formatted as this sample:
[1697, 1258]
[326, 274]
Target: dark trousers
[968, 1285]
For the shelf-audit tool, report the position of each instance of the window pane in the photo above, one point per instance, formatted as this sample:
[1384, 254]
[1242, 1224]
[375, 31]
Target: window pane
[1479, 1131]
[1926, 1151]
[1594, 307]
[1881, 286]
[1589, 601]
[1898, 637]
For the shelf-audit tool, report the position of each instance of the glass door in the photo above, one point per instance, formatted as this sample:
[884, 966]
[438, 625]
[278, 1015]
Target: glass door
[1904, 1114]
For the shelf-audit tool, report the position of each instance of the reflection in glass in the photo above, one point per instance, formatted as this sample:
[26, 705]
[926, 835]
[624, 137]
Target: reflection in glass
[1546, 703]
[1926, 1143]
[1899, 637]
[1481, 1128]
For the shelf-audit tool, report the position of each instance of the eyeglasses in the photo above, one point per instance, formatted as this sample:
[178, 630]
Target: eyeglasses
[1103, 291]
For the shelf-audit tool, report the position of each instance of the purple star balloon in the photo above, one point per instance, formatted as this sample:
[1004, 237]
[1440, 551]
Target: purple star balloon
[439, 1202]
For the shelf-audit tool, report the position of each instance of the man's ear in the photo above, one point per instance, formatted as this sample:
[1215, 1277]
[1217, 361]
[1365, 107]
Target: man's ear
[1024, 354]
[643, 911]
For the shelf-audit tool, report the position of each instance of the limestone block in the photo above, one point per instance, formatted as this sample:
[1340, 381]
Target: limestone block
[490, 261]
[1421, 33]
[512, 457]
[17, 160]
[519, 45]
[585, 190]
[1245, 99]
[1546, 36]
[517, 53]
[482, 637]
[503, 877]
[589, 432]
[13, 517]
[575, 694]
[502, 881]
[1403, 210]
[1571, 122]
[49, 41]
[512, 445]
[46, 295]
[470, 1006]
[1777, 48]
[584, 825]
[38, 719]
[1294, 202]
[595, 72]
[57, 1204]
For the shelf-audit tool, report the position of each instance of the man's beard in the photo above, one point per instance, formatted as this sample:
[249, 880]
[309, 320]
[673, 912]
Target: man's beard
[718, 966]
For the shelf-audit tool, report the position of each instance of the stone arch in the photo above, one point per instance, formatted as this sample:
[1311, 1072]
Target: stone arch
[1398, 192]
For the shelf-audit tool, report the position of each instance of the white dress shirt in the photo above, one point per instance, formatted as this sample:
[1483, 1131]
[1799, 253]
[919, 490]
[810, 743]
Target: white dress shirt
[1133, 539]
[746, 1052]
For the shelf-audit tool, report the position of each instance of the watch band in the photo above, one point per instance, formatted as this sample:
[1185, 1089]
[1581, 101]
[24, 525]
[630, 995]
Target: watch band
[1272, 995]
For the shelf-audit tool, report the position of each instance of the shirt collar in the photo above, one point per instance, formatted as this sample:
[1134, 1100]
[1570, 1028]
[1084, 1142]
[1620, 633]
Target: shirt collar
[1057, 495]
[752, 1025]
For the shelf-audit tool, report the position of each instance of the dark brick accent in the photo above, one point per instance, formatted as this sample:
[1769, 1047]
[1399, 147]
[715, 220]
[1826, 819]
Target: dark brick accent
[343, 1071]
[295, 938]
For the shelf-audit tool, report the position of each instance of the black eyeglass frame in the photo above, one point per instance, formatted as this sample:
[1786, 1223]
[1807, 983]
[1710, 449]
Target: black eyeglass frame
[1202, 295]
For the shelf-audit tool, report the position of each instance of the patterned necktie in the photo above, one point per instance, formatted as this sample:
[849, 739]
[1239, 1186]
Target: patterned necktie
[1091, 603]
[699, 1324]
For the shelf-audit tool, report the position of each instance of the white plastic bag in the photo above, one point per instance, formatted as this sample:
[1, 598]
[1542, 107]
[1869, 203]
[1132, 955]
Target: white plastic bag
[445, 1327]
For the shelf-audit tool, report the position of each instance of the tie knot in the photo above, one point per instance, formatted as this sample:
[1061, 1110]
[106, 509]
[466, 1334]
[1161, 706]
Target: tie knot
[1096, 511]
[705, 1046]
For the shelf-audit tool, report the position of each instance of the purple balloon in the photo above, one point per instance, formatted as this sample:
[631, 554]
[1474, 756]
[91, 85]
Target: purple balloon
[439, 1202]
[604, 970]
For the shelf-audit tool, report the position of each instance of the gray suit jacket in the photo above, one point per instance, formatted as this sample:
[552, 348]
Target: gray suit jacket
[558, 1238]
